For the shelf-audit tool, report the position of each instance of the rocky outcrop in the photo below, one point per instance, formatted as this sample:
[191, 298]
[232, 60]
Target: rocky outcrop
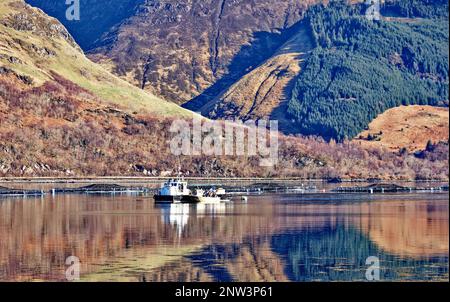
[29, 19]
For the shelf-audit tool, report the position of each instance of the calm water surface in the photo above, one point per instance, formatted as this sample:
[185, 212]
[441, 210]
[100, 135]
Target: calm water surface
[320, 237]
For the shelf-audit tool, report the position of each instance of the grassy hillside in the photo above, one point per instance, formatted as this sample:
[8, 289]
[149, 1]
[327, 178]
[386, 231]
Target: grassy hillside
[34, 47]
[361, 68]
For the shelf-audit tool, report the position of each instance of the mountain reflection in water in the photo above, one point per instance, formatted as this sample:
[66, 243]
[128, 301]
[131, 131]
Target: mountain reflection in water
[270, 238]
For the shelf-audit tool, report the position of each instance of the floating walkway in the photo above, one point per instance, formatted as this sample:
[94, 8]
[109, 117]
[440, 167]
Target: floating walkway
[18, 192]
[261, 188]
[101, 189]
[257, 188]
[388, 188]
[91, 189]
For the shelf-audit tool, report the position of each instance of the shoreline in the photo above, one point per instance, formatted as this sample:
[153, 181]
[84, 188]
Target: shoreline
[247, 186]
[140, 179]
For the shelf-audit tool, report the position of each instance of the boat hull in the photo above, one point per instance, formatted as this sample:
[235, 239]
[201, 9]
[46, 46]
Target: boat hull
[167, 199]
[163, 199]
[201, 199]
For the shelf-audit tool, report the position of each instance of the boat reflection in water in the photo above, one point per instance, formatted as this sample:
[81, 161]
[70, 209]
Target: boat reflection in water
[177, 214]
[269, 238]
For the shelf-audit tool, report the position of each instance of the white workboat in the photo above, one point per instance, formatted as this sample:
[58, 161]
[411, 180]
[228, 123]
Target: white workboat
[176, 191]
[172, 191]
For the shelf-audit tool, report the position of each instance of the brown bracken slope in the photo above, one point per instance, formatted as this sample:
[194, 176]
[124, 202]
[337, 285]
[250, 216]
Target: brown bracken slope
[409, 127]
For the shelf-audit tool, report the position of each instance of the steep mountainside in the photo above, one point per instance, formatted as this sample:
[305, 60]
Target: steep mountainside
[177, 49]
[262, 93]
[37, 49]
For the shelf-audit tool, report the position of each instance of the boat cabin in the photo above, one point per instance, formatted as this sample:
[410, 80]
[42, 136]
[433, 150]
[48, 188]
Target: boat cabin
[174, 187]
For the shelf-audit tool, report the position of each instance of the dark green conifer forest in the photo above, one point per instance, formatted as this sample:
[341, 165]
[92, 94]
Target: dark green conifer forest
[360, 68]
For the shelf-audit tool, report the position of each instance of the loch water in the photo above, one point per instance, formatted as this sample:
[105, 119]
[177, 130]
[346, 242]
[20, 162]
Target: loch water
[274, 237]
